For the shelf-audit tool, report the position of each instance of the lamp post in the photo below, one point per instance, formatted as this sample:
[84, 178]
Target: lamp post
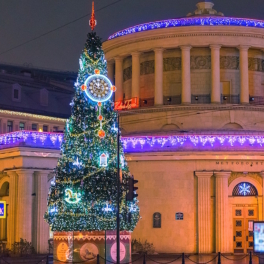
[118, 196]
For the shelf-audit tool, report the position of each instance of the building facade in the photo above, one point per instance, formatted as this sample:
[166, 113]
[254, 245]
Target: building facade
[191, 92]
[33, 100]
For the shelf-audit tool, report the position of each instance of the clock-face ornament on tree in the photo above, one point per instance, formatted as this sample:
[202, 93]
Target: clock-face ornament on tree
[98, 87]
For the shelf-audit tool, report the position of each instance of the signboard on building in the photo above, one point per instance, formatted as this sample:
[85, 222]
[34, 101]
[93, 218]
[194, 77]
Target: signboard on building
[258, 237]
[2, 209]
[126, 104]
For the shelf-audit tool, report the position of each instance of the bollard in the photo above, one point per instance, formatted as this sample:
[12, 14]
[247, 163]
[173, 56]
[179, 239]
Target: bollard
[219, 258]
[183, 258]
[250, 257]
[144, 259]
[47, 261]
[98, 259]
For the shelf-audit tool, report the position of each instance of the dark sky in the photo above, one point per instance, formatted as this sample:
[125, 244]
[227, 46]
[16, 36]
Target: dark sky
[23, 20]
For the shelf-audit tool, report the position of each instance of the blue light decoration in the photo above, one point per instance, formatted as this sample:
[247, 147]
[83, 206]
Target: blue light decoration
[190, 21]
[144, 143]
[107, 208]
[244, 188]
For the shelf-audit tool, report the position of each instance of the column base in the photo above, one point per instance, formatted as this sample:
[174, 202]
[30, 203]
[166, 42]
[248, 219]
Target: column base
[217, 103]
[189, 103]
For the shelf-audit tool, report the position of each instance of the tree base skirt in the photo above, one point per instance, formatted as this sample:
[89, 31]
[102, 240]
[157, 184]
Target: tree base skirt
[85, 246]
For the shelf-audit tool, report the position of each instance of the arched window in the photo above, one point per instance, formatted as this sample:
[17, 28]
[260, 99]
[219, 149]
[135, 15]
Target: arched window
[245, 189]
[156, 220]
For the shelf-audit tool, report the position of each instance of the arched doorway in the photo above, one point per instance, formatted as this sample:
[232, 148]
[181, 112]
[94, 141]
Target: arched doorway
[245, 209]
[4, 196]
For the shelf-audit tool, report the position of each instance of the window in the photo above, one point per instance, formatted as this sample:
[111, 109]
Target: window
[34, 127]
[21, 126]
[55, 129]
[179, 216]
[9, 126]
[245, 189]
[45, 128]
[156, 220]
[16, 92]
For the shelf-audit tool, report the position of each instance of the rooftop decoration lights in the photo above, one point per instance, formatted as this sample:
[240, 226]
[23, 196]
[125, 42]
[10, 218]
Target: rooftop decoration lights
[191, 21]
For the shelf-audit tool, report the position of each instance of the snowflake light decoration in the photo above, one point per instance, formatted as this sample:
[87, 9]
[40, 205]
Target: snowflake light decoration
[244, 189]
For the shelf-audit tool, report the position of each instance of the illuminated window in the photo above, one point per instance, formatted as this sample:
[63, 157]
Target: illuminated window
[245, 189]
[21, 126]
[45, 128]
[55, 129]
[34, 127]
[9, 126]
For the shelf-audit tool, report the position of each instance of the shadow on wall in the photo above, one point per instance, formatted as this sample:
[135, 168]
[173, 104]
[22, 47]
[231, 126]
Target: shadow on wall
[232, 126]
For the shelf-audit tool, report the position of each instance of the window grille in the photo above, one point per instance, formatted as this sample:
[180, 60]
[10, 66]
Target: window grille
[245, 189]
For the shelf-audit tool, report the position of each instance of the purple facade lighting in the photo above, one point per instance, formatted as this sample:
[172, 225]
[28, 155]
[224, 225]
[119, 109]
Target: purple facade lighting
[144, 143]
[190, 21]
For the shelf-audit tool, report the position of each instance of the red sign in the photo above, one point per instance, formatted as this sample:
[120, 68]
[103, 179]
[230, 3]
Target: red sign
[126, 104]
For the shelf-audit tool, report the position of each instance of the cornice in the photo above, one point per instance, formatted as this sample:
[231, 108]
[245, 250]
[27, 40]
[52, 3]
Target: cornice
[182, 108]
[178, 35]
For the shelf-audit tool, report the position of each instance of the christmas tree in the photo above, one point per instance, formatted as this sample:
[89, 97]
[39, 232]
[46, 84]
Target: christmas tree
[83, 194]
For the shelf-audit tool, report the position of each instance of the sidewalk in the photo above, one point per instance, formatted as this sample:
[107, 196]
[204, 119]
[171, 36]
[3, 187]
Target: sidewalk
[167, 259]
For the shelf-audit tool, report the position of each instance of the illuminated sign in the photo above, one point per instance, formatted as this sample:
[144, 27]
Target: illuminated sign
[126, 104]
[258, 237]
[2, 209]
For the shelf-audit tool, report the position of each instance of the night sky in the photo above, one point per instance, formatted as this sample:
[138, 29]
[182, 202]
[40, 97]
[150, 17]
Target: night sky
[23, 20]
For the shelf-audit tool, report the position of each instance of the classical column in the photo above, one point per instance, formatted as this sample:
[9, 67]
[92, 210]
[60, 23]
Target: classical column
[186, 75]
[215, 72]
[24, 205]
[135, 75]
[204, 211]
[110, 71]
[243, 65]
[12, 209]
[158, 96]
[41, 234]
[119, 78]
[221, 211]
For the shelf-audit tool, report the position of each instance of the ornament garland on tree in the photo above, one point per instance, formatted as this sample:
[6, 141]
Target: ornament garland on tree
[83, 196]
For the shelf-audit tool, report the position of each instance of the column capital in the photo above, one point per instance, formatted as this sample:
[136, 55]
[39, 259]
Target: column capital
[261, 174]
[135, 53]
[119, 58]
[222, 174]
[204, 174]
[111, 62]
[158, 50]
[24, 171]
[243, 47]
[42, 172]
[186, 47]
[215, 46]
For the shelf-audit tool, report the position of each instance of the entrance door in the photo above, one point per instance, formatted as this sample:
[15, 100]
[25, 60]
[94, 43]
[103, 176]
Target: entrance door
[242, 236]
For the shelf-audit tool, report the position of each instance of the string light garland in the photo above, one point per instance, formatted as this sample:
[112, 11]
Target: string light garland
[13, 113]
[190, 21]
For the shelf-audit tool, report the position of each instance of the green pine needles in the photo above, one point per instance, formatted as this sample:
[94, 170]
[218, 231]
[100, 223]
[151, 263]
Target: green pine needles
[83, 194]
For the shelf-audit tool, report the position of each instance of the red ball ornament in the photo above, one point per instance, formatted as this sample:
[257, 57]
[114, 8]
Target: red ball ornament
[96, 71]
[84, 87]
[100, 118]
[101, 133]
[113, 88]
[99, 104]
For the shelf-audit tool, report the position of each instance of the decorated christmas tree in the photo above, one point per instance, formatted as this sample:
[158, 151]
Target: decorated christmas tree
[83, 194]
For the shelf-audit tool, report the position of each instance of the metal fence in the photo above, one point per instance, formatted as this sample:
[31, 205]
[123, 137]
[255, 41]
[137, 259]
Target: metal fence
[230, 99]
[201, 99]
[172, 100]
